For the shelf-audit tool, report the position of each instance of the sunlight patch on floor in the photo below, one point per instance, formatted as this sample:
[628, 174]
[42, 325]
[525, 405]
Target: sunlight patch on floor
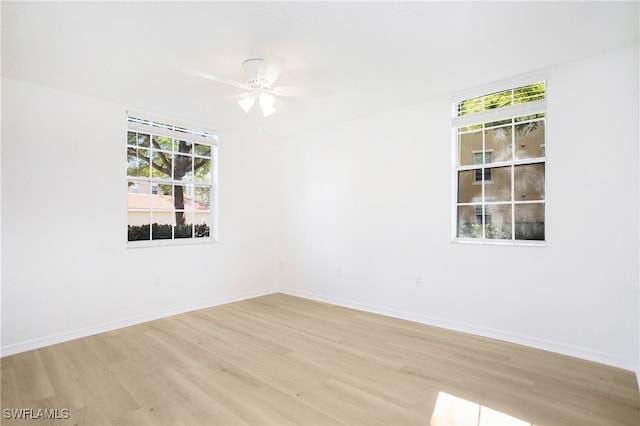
[451, 410]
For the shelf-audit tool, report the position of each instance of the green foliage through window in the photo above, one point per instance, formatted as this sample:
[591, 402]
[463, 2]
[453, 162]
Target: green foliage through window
[519, 95]
[163, 231]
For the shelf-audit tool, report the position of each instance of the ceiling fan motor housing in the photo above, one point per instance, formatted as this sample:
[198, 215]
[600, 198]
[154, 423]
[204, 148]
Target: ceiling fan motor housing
[251, 68]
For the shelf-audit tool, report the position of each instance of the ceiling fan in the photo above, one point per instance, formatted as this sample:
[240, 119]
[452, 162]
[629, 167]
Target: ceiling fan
[261, 75]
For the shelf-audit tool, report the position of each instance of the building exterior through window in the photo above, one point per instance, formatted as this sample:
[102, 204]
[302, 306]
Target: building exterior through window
[500, 166]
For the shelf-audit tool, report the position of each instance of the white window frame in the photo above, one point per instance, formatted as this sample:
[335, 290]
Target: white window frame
[155, 125]
[489, 116]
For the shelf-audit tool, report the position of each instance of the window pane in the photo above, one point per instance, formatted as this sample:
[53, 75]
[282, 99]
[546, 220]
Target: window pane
[202, 227]
[467, 144]
[184, 228]
[468, 189]
[499, 123]
[470, 128]
[162, 142]
[162, 228]
[184, 231]
[138, 139]
[529, 221]
[165, 189]
[183, 167]
[202, 169]
[498, 188]
[498, 221]
[203, 150]
[143, 139]
[138, 195]
[529, 182]
[163, 200]
[497, 100]
[138, 225]
[183, 147]
[161, 165]
[530, 140]
[137, 164]
[470, 106]
[498, 142]
[468, 227]
[183, 197]
[530, 93]
[202, 197]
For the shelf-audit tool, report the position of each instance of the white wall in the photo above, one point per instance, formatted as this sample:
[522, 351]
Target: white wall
[66, 271]
[367, 209]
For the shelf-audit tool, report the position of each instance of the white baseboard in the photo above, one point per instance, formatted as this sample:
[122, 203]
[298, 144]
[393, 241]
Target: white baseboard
[532, 342]
[113, 325]
[423, 319]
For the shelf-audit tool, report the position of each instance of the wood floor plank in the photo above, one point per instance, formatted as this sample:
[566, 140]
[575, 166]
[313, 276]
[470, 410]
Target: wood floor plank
[324, 398]
[102, 345]
[292, 410]
[33, 382]
[9, 392]
[103, 386]
[70, 388]
[202, 408]
[155, 405]
[283, 360]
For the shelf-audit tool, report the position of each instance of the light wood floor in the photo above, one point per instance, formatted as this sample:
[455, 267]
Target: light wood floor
[284, 360]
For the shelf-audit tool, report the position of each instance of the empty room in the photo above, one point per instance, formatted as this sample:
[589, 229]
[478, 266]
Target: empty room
[320, 213]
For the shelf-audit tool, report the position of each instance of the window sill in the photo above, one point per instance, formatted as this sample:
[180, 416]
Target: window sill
[479, 241]
[169, 243]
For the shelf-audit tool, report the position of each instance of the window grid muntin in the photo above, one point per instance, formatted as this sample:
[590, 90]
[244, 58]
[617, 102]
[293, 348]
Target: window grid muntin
[192, 214]
[515, 120]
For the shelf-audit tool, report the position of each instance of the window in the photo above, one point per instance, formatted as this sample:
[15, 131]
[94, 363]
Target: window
[171, 184]
[500, 165]
[483, 217]
[478, 158]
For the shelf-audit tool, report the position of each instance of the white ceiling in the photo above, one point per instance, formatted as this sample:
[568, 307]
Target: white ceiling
[374, 55]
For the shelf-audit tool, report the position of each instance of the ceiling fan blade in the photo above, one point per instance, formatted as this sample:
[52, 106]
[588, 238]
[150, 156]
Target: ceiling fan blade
[311, 92]
[247, 103]
[239, 96]
[220, 79]
[271, 69]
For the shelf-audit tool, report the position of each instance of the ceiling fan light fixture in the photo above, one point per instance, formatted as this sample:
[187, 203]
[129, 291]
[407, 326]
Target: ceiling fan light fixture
[247, 103]
[262, 75]
[267, 104]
